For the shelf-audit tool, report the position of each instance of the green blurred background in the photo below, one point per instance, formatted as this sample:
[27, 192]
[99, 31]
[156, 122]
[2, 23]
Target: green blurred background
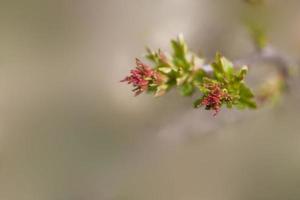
[70, 131]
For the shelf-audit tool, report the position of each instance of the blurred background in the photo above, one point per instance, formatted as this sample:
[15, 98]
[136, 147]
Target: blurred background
[70, 131]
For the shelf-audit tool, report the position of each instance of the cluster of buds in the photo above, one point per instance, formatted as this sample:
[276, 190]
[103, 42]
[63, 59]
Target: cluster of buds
[214, 98]
[142, 77]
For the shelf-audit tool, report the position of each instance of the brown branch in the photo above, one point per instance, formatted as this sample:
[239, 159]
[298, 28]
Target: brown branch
[270, 55]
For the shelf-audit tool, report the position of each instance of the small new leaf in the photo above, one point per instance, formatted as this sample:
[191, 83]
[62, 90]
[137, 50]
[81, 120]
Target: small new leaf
[187, 89]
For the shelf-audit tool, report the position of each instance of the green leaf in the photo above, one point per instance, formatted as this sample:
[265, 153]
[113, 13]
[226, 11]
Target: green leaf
[223, 68]
[246, 97]
[161, 90]
[199, 74]
[229, 104]
[179, 47]
[246, 103]
[180, 51]
[242, 73]
[217, 64]
[226, 64]
[245, 91]
[180, 80]
[197, 103]
[152, 56]
[187, 89]
[165, 70]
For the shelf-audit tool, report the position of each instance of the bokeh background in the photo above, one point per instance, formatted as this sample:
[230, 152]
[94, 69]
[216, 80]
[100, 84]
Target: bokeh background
[70, 131]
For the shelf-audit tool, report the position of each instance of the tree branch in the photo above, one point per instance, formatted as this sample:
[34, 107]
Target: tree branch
[268, 54]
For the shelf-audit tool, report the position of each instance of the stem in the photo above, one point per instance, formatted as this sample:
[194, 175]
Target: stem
[267, 54]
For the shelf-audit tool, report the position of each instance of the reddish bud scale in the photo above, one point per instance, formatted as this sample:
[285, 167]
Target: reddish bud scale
[214, 99]
[141, 77]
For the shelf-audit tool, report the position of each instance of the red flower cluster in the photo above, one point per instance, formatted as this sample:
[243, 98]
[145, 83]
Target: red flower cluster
[214, 99]
[141, 77]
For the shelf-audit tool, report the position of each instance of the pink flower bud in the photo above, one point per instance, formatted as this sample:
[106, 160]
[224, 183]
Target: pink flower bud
[214, 99]
[141, 77]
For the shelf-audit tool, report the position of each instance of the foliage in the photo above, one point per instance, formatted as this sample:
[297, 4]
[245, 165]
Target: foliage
[221, 85]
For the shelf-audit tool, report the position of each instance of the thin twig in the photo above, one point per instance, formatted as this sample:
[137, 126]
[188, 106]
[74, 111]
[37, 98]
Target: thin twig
[268, 54]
